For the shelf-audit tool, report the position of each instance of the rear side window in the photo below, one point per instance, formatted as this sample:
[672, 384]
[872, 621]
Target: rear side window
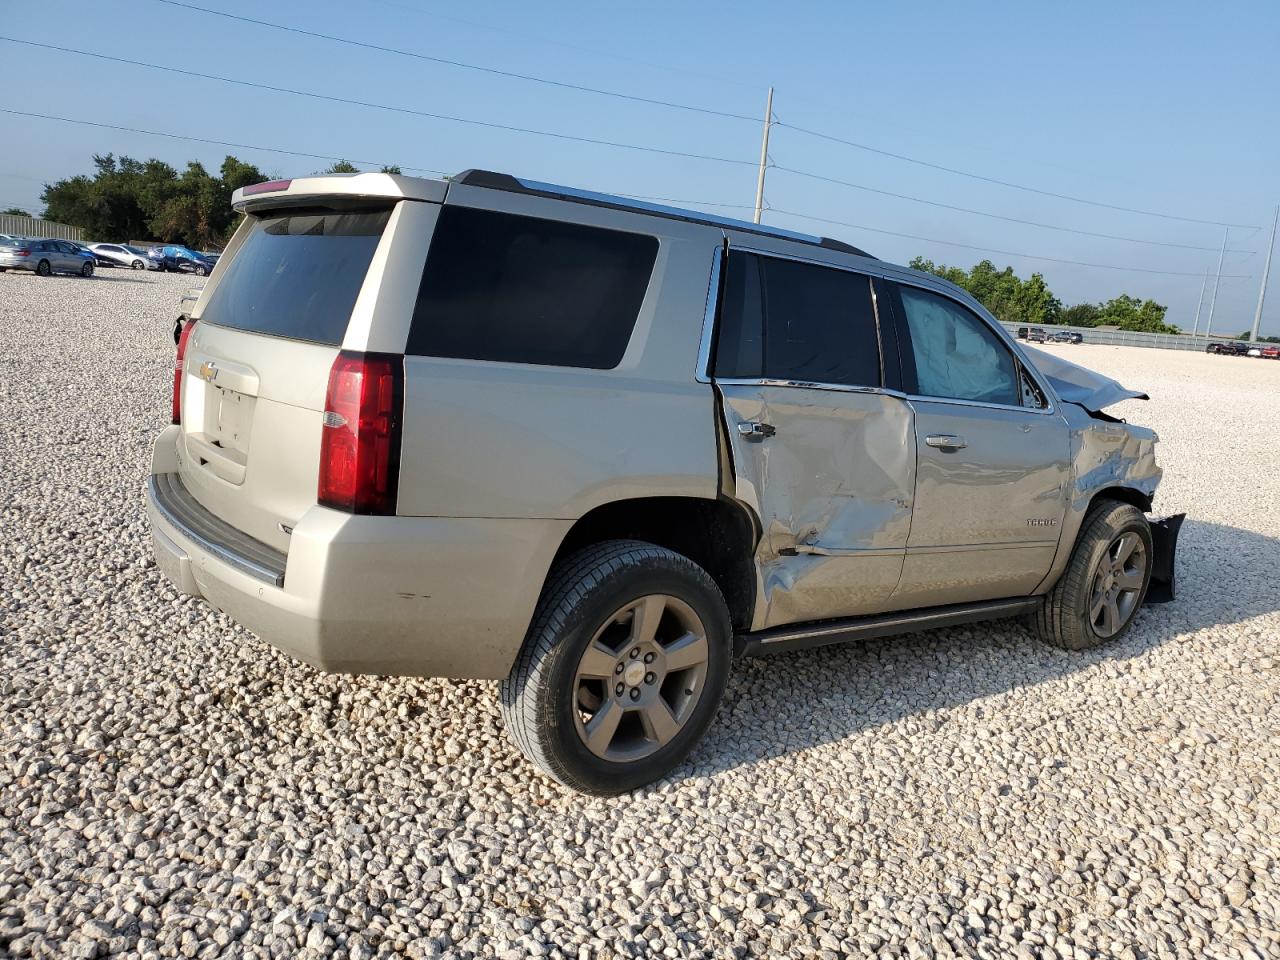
[298, 274]
[523, 290]
[787, 320]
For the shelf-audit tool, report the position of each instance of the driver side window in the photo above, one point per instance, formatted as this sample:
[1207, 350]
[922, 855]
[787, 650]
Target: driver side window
[957, 356]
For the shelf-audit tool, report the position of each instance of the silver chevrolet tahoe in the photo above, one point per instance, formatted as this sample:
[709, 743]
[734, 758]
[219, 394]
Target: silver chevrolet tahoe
[597, 450]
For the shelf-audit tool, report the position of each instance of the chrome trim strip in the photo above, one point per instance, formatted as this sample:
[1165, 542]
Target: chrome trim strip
[1047, 411]
[702, 372]
[809, 385]
[977, 547]
[254, 568]
[816, 550]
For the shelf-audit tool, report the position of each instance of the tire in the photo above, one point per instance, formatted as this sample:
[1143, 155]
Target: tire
[201, 271]
[86, 270]
[1065, 618]
[547, 703]
[138, 265]
[43, 269]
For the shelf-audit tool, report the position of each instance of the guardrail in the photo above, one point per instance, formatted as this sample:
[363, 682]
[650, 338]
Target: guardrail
[35, 227]
[1129, 338]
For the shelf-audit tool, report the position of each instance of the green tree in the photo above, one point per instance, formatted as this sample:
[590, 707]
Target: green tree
[1080, 315]
[1130, 313]
[342, 166]
[392, 168]
[128, 199]
[1007, 296]
[16, 212]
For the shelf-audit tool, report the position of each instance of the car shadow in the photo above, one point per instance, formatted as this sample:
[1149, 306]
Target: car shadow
[790, 702]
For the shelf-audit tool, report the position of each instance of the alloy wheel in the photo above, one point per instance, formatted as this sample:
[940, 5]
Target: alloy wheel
[640, 678]
[1117, 584]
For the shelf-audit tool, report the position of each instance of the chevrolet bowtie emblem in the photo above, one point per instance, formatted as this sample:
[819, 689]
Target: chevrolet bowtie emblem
[209, 370]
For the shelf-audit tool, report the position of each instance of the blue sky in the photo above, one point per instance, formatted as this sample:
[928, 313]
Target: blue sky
[1169, 107]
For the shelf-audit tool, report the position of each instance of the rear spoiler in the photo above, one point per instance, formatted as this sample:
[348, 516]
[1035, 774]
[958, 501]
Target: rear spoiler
[301, 190]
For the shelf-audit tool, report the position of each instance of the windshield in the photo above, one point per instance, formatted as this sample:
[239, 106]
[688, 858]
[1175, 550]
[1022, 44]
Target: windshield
[298, 274]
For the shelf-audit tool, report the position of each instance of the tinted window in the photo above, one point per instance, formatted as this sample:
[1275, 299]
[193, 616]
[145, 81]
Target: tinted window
[298, 274]
[787, 320]
[524, 290]
[820, 324]
[739, 342]
[957, 355]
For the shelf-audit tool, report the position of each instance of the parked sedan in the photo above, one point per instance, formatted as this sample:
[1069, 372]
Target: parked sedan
[1067, 336]
[120, 255]
[45, 257]
[178, 259]
[1232, 348]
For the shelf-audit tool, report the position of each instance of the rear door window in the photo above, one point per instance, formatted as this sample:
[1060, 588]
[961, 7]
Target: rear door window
[788, 320]
[518, 289]
[298, 274]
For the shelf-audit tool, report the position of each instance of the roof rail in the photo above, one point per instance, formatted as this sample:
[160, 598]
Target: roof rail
[505, 181]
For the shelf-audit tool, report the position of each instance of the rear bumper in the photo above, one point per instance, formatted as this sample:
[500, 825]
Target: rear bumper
[415, 596]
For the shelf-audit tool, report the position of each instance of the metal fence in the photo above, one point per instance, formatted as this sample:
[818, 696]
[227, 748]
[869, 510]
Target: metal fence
[1130, 338]
[34, 227]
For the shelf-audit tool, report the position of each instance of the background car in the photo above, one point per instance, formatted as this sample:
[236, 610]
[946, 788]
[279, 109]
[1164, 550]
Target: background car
[120, 255]
[1233, 348]
[178, 259]
[1067, 336]
[45, 257]
[1271, 353]
[1036, 335]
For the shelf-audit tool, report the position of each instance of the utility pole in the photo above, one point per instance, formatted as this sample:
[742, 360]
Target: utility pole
[1262, 291]
[1213, 301]
[1200, 303]
[764, 154]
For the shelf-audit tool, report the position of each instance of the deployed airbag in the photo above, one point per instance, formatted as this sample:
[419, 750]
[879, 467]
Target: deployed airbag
[1076, 384]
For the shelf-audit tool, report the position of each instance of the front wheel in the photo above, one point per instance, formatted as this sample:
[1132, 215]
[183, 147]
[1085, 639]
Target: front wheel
[86, 270]
[1105, 582]
[138, 265]
[623, 667]
[43, 269]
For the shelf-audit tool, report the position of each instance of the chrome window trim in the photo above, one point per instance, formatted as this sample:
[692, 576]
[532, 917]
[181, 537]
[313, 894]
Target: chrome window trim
[810, 385]
[702, 372]
[1003, 336]
[761, 251]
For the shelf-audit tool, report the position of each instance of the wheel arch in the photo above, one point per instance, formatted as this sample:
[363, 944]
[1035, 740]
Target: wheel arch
[717, 534]
[1130, 495]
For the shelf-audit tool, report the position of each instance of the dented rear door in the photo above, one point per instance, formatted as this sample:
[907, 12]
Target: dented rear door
[821, 450]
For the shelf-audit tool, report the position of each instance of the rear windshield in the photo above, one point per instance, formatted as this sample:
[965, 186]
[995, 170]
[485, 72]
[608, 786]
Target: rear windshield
[298, 274]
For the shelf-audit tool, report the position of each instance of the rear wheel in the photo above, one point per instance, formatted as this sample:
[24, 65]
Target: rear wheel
[86, 270]
[622, 669]
[200, 271]
[138, 265]
[1105, 582]
[43, 269]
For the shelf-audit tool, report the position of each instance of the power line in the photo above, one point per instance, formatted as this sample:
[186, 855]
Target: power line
[581, 88]
[1003, 183]
[380, 106]
[316, 156]
[220, 143]
[993, 216]
[1006, 253]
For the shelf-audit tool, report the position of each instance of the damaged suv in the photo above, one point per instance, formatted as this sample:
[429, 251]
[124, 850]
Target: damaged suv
[598, 450]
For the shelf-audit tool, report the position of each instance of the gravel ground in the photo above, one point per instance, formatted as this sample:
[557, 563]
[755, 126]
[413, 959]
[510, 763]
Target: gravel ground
[171, 786]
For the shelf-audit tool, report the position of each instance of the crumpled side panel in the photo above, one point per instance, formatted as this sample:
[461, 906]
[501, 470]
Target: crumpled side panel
[1103, 454]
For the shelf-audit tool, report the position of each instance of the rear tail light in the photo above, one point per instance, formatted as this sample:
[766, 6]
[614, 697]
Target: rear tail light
[177, 370]
[360, 436]
[270, 186]
[22, 253]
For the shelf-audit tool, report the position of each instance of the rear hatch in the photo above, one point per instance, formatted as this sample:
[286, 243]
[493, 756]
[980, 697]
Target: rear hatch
[257, 362]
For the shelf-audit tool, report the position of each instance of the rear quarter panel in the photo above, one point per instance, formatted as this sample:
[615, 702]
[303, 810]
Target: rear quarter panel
[490, 439]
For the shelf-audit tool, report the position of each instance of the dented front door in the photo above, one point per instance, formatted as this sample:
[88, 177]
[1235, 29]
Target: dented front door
[831, 474]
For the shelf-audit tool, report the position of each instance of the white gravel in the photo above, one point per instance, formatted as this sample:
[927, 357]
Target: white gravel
[171, 786]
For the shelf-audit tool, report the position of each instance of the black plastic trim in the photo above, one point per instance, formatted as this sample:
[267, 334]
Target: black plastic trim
[823, 632]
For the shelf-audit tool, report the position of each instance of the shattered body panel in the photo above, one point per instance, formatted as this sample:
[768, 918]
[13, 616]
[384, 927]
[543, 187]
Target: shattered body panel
[1105, 454]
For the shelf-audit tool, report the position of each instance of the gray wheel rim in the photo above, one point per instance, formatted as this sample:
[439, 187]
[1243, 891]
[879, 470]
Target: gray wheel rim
[640, 679]
[1117, 584]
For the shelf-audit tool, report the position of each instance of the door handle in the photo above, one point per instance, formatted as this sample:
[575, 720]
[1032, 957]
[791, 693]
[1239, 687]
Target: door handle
[753, 430]
[946, 441]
